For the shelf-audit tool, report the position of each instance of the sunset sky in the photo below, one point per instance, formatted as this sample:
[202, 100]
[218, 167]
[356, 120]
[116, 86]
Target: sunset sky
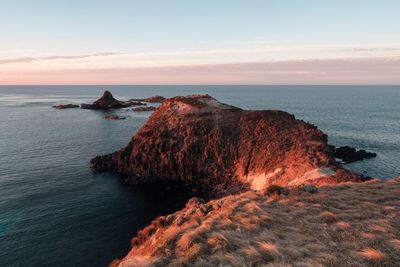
[200, 42]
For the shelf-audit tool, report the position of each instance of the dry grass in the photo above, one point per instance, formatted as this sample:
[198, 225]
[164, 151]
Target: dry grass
[371, 254]
[344, 225]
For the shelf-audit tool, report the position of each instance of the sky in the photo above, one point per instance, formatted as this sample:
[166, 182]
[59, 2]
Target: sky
[199, 42]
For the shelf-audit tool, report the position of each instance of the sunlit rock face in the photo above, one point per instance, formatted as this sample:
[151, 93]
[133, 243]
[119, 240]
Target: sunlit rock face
[222, 148]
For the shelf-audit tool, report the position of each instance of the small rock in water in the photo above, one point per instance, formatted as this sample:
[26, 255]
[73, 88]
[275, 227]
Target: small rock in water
[113, 117]
[144, 109]
[349, 154]
[66, 106]
[155, 99]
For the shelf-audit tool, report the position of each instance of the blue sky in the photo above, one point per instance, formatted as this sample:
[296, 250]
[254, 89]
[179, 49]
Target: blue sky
[143, 34]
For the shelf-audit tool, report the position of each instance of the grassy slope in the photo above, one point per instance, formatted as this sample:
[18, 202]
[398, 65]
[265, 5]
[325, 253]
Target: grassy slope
[341, 225]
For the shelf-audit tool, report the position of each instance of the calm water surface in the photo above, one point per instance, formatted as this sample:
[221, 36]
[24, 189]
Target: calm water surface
[55, 212]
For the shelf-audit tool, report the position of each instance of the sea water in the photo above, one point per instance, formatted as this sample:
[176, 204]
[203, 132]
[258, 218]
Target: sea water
[55, 212]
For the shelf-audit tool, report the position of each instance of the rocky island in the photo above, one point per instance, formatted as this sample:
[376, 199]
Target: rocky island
[107, 101]
[113, 117]
[66, 106]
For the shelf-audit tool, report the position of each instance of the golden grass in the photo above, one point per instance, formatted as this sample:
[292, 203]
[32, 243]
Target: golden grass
[267, 246]
[371, 254]
[344, 225]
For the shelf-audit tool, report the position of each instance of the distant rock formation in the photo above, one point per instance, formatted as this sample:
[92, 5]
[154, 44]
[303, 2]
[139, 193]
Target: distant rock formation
[349, 154]
[145, 109]
[66, 106]
[155, 99]
[107, 101]
[113, 117]
[220, 149]
[136, 103]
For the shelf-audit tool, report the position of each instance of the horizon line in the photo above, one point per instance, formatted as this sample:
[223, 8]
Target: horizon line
[363, 85]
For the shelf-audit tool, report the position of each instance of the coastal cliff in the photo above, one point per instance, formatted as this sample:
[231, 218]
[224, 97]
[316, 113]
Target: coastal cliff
[221, 149]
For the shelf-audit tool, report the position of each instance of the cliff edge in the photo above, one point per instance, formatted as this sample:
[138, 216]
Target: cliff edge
[338, 225]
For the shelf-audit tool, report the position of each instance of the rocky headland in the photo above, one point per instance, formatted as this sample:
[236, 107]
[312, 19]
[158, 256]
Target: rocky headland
[272, 191]
[221, 149]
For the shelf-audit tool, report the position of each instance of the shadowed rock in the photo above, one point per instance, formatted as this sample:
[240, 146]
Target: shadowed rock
[66, 106]
[107, 101]
[113, 117]
[220, 149]
[144, 109]
[349, 154]
[136, 103]
[155, 99]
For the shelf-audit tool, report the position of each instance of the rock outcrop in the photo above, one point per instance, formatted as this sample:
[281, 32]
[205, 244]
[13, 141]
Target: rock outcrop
[66, 106]
[221, 149]
[155, 99]
[149, 108]
[349, 154]
[136, 103]
[113, 117]
[107, 101]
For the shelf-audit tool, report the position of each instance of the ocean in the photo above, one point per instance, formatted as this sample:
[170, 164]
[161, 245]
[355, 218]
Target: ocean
[55, 212]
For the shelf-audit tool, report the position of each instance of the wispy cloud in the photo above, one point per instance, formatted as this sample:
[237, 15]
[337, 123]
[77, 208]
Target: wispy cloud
[55, 57]
[372, 49]
[379, 70]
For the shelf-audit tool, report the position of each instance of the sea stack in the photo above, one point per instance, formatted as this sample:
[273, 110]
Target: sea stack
[107, 101]
[224, 149]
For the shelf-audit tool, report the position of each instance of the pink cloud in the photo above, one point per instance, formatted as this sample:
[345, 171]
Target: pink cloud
[32, 59]
[323, 71]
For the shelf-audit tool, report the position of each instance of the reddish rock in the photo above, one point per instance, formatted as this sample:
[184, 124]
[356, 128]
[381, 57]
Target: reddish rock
[107, 101]
[155, 99]
[220, 149]
[113, 117]
[145, 109]
[66, 106]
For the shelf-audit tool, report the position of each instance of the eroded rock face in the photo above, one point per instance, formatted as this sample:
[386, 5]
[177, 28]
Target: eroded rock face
[107, 101]
[221, 148]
